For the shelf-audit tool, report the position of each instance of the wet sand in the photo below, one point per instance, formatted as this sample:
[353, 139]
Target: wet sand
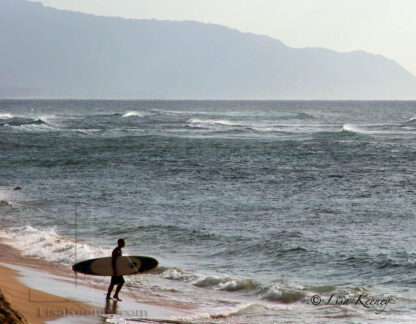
[47, 291]
[35, 305]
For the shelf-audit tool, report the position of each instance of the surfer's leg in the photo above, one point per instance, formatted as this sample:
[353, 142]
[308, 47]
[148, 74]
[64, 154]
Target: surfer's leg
[110, 289]
[118, 290]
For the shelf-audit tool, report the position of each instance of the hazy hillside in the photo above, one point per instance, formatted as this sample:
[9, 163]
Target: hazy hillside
[51, 53]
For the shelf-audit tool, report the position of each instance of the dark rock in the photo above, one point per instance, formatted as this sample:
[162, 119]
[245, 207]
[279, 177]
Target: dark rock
[8, 314]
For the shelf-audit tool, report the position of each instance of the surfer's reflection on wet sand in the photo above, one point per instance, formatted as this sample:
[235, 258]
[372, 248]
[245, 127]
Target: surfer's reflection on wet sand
[110, 309]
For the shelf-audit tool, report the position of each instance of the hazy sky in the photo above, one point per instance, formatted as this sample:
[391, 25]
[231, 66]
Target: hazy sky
[386, 27]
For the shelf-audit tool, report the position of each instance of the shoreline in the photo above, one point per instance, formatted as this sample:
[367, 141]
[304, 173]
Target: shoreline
[35, 305]
[44, 291]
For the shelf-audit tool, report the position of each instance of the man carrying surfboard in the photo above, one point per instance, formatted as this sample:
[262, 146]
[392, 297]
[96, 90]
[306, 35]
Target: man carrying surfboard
[116, 279]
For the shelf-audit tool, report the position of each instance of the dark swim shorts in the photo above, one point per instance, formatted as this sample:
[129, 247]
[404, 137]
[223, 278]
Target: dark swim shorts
[116, 280]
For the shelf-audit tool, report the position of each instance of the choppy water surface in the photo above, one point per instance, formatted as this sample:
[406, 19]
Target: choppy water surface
[252, 208]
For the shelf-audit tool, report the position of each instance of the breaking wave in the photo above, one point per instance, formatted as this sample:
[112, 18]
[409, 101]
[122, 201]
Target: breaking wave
[213, 281]
[6, 116]
[21, 121]
[24, 123]
[283, 296]
[49, 245]
[132, 114]
[273, 293]
[352, 129]
[207, 123]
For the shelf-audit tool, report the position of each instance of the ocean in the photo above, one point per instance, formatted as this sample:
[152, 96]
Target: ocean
[258, 211]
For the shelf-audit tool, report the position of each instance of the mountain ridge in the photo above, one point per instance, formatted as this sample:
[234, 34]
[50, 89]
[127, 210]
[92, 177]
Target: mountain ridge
[67, 54]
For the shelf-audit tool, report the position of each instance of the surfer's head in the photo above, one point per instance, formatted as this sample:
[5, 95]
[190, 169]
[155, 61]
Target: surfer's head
[121, 243]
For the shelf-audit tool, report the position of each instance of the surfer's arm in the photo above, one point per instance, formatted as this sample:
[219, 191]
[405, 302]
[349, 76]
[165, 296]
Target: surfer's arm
[114, 257]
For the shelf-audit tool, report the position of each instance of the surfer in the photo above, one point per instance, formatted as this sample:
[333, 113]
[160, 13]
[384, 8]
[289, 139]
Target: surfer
[115, 279]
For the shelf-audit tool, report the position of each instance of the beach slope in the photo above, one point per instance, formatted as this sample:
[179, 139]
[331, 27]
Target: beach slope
[36, 306]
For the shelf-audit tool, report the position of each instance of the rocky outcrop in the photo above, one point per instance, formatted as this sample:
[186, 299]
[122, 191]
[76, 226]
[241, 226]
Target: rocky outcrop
[7, 314]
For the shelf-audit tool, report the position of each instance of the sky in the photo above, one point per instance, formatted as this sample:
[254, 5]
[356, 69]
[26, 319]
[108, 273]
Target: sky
[385, 27]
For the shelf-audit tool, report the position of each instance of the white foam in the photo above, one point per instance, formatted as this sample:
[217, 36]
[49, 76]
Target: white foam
[6, 116]
[271, 129]
[31, 123]
[217, 282]
[49, 245]
[245, 308]
[32, 127]
[352, 128]
[47, 119]
[197, 122]
[86, 131]
[236, 284]
[132, 114]
[280, 295]
[177, 274]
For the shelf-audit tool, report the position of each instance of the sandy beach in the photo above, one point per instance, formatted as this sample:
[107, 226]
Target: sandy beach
[46, 291]
[37, 306]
